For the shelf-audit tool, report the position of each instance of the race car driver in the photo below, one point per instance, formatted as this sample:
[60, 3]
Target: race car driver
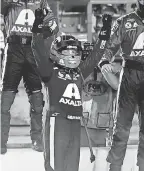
[127, 34]
[19, 17]
[63, 74]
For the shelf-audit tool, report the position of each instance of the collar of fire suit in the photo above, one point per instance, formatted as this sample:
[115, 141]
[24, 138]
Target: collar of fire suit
[67, 70]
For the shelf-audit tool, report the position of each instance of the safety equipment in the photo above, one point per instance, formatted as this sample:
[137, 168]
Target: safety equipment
[45, 22]
[106, 29]
[92, 158]
[39, 17]
[66, 51]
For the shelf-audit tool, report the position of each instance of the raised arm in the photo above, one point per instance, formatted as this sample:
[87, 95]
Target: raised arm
[94, 57]
[41, 51]
[114, 43]
[46, 21]
[44, 28]
[112, 46]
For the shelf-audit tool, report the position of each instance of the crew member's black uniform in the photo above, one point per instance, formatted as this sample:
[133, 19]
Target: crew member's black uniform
[19, 17]
[128, 33]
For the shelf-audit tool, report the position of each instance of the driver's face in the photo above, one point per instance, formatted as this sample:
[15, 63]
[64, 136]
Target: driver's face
[71, 58]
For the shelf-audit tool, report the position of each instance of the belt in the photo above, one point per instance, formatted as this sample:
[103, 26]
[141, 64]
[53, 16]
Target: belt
[22, 40]
[131, 64]
[136, 65]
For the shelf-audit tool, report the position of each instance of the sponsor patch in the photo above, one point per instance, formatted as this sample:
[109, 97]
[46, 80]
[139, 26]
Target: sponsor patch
[137, 53]
[135, 25]
[71, 96]
[131, 19]
[21, 29]
[115, 27]
[128, 25]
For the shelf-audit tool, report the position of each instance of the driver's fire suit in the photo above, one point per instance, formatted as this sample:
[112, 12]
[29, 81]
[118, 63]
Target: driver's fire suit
[127, 34]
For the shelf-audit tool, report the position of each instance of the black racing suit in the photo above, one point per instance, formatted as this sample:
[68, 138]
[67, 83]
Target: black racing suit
[62, 126]
[19, 18]
[127, 34]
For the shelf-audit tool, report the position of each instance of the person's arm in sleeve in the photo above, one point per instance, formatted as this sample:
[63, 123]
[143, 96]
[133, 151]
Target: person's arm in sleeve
[113, 44]
[94, 57]
[41, 51]
[46, 21]
[50, 22]
[44, 28]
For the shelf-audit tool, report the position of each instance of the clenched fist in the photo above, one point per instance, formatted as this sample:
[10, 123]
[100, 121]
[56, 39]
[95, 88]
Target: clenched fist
[106, 28]
[107, 68]
[45, 23]
[109, 73]
[38, 22]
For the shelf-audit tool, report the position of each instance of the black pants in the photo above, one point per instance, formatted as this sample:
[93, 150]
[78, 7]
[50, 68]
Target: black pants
[61, 144]
[131, 93]
[20, 63]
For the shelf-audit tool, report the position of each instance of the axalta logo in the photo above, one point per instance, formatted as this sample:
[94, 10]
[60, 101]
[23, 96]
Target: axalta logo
[71, 95]
[24, 21]
[137, 53]
[21, 29]
[138, 49]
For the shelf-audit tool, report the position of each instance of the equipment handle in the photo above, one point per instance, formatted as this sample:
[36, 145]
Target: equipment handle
[92, 158]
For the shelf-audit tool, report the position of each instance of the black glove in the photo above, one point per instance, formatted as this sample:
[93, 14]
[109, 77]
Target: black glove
[45, 23]
[50, 25]
[106, 28]
[107, 20]
[38, 22]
